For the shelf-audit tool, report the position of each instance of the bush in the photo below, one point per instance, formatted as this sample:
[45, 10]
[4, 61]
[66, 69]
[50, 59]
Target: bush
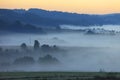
[1, 49]
[45, 47]
[48, 59]
[36, 44]
[23, 46]
[24, 61]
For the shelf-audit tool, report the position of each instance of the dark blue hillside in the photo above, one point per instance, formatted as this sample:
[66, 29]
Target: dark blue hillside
[31, 19]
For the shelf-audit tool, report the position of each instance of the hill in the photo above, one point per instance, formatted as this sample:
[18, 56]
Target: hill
[53, 19]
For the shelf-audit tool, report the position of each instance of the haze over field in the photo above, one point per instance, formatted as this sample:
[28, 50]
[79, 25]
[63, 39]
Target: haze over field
[40, 35]
[83, 52]
[76, 39]
[105, 27]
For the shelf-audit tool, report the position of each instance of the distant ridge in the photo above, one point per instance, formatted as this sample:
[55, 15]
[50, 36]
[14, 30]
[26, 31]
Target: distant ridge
[45, 18]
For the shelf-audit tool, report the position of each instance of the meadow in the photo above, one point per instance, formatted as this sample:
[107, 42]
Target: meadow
[59, 76]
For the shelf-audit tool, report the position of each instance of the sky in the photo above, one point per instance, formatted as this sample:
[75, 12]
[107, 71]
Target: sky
[77, 6]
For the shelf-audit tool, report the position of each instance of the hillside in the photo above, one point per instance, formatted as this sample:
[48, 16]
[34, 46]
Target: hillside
[52, 19]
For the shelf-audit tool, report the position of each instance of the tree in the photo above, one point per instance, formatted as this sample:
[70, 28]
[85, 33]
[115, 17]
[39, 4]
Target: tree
[48, 59]
[23, 46]
[24, 61]
[55, 47]
[1, 49]
[45, 47]
[36, 44]
[90, 32]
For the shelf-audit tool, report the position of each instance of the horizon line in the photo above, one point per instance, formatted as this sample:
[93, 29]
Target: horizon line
[61, 11]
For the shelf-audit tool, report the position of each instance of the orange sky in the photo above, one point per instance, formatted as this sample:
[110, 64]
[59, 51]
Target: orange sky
[79, 6]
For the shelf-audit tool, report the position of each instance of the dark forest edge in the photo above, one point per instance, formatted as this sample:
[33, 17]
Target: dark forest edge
[36, 20]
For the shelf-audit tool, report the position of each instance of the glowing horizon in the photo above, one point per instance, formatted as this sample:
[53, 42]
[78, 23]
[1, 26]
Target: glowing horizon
[77, 6]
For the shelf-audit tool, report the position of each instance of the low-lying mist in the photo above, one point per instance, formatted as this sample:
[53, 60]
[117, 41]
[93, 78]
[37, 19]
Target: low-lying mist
[106, 27]
[77, 52]
[63, 39]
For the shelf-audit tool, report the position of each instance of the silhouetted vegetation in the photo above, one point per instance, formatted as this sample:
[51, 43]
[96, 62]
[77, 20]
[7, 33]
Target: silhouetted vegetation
[45, 18]
[48, 59]
[90, 32]
[19, 27]
[23, 46]
[1, 49]
[24, 61]
[36, 45]
[55, 76]
[24, 55]
[45, 47]
[108, 76]
[55, 47]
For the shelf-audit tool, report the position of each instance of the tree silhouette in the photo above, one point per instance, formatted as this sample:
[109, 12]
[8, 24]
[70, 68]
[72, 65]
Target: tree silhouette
[55, 47]
[24, 61]
[48, 59]
[45, 47]
[1, 49]
[23, 46]
[36, 44]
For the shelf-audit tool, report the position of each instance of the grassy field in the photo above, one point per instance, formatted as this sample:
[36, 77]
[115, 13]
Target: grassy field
[59, 76]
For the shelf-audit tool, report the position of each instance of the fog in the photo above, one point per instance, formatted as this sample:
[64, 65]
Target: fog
[63, 39]
[106, 27]
[81, 52]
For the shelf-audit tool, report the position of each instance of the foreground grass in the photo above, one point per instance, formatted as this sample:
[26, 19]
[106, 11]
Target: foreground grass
[59, 76]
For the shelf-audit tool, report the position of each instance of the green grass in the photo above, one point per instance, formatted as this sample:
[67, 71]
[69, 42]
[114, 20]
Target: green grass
[53, 75]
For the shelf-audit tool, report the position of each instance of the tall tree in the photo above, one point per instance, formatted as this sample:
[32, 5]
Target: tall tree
[36, 44]
[23, 46]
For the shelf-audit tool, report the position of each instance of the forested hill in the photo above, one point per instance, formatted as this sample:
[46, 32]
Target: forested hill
[44, 18]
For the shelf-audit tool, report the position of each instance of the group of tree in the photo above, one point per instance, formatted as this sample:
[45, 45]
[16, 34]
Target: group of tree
[1, 49]
[36, 46]
[56, 18]
[24, 61]
[18, 26]
[46, 60]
